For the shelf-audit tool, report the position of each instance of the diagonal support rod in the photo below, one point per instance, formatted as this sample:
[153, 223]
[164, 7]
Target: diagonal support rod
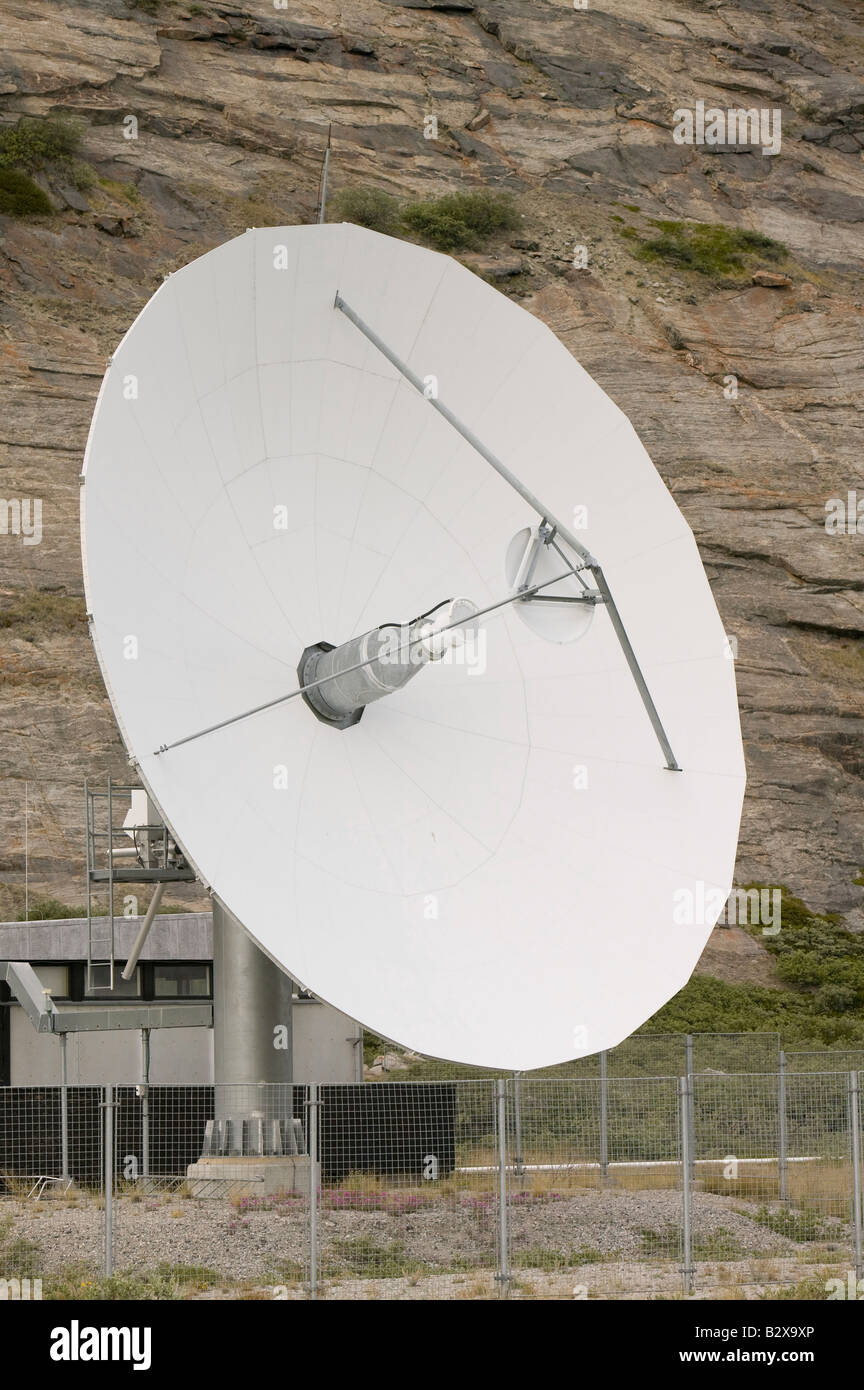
[588, 561]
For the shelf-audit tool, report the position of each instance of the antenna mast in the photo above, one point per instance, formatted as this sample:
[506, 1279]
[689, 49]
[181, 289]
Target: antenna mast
[322, 199]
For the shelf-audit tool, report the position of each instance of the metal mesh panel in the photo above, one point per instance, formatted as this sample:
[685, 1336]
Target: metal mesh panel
[581, 1187]
[51, 1210]
[772, 1178]
[409, 1196]
[594, 1188]
[212, 1186]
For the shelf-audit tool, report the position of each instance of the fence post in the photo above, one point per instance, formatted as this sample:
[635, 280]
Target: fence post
[108, 1179]
[64, 1107]
[855, 1126]
[687, 1270]
[782, 1138]
[604, 1117]
[145, 1102]
[517, 1123]
[314, 1179]
[503, 1238]
[691, 1117]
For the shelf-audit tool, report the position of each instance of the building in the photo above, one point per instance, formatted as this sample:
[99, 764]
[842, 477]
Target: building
[176, 967]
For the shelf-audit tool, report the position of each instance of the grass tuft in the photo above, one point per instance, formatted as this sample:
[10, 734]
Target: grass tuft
[710, 249]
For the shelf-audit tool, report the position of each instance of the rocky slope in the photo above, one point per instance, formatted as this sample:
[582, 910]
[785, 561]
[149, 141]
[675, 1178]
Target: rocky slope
[571, 110]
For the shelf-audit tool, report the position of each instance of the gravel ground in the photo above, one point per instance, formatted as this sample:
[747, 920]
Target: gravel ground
[609, 1239]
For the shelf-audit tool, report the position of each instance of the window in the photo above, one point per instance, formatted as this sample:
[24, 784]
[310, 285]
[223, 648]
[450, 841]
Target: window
[181, 981]
[98, 984]
[55, 978]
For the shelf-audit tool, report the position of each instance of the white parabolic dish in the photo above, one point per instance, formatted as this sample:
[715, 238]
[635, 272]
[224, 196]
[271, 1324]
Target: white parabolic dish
[494, 865]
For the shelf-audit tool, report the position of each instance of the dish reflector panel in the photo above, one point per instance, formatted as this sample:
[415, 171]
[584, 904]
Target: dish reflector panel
[494, 864]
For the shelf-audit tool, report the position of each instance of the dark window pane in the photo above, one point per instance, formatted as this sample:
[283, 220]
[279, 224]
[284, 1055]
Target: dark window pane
[97, 986]
[181, 981]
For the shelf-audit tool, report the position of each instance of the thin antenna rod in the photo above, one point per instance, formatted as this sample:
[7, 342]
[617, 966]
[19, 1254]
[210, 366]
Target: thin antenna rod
[26, 852]
[322, 201]
[404, 646]
[588, 561]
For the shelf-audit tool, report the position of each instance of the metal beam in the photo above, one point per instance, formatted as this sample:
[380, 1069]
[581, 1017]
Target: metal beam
[109, 1018]
[50, 1017]
[30, 993]
[588, 561]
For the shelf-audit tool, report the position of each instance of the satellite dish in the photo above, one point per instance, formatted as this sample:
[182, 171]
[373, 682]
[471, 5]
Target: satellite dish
[477, 837]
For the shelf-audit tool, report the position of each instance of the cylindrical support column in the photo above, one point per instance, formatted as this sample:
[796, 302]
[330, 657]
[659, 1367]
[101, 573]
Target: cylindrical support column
[604, 1116]
[855, 1127]
[108, 1179]
[503, 1237]
[64, 1106]
[782, 1138]
[252, 1042]
[145, 1102]
[687, 1271]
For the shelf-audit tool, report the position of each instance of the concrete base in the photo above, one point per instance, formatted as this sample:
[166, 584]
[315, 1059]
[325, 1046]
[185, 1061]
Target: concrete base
[250, 1177]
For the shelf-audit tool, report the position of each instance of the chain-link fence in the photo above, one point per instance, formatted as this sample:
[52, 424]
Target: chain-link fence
[599, 1187]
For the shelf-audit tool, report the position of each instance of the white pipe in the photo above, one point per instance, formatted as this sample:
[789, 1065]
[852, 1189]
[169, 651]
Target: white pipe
[140, 939]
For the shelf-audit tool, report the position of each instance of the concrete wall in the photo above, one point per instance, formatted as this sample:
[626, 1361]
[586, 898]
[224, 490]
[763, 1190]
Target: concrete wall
[327, 1044]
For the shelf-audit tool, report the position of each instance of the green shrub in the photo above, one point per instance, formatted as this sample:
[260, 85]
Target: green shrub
[37, 141]
[461, 221]
[811, 1290]
[709, 249]
[364, 1258]
[457, 221]
[367, 207]
[53, 910]
[21, 197]
[798, 1226]
[21, 1259]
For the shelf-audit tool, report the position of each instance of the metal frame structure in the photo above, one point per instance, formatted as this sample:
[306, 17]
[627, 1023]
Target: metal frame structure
[152, 865]
[550, 526]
